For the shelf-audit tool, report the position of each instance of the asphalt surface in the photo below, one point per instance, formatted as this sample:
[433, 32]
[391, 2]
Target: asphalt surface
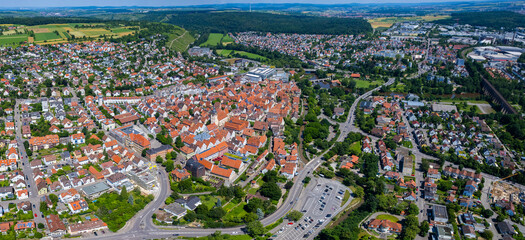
[319, 193]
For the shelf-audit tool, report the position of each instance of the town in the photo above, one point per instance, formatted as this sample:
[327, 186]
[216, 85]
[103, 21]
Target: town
[413, 131]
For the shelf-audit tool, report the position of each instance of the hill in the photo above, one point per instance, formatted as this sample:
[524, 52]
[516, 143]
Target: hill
[495, 19]
[222, 22]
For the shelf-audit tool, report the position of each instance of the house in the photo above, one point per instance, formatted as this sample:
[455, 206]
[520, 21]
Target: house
[24, 225]
[95, 190]
[190, 203]
[385, 226]
[506, 205]
[78, 206]
[470, 188]
[55, 225]
[180, 174]
[176, 210]
[116, 179]
[87, 227]
[505, 228]
[78, 138]
[22, 194]
[433, 173]
[69, 196]
[7, 192]
[45, 142]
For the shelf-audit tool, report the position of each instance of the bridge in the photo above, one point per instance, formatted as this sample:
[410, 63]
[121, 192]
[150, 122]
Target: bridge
[496, 96]
[320, 80]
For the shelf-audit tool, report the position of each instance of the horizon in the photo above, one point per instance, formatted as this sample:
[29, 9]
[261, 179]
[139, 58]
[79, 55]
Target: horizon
[38, 4]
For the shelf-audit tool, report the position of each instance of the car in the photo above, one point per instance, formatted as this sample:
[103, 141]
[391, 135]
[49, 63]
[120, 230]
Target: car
[175, 234]
[321, 209]
[103, 232]
[23, 163]
[34, 206]
[96, 234]
[290, 223]
[36, 215]
[328, 215]
[28, 186]
[42, 215]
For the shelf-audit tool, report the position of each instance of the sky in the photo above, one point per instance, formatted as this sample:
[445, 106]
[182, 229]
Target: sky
[162, 3]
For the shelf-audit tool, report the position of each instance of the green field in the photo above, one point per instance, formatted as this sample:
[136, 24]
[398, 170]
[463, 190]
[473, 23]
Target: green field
[46, 36]
[216, 38]
[366, 84]
[386, 22]
[387, 217]
[54, 33]
[232, 53]
[213, 40]
[12, 39]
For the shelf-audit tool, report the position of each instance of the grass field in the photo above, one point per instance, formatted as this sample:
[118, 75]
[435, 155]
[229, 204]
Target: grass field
[356, 147]
[387, 217]
[345, 198]
[232, 53]
[365, 83]
[216, 38]
[46, 33]
[236, 212]
[46, 36]
[386, 22]
[12, 39]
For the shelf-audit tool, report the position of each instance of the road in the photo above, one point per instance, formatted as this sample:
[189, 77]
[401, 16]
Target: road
[26, 169]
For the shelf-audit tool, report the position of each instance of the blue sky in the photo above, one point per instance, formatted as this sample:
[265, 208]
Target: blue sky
[158, 3]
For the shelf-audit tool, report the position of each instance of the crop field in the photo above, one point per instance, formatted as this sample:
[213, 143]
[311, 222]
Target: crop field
[12, 39]
[46, 36]
[386, 22]
[59, 33]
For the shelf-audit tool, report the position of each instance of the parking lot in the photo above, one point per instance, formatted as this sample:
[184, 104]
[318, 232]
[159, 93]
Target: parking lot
[319, 203]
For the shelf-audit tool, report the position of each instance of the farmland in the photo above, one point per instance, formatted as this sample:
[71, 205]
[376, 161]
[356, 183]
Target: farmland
[14, 35]
[386, 22]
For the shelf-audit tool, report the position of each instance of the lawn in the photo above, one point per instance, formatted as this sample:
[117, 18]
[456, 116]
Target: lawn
[345, 198]
[389, 21]
[213, 40]
[387, 217]
[91, 32]
[231, 53]
[236, 212]
[209, 201]
[366, 84]
[227, 39]
[355, 148]
[46, 36]
[12, 39]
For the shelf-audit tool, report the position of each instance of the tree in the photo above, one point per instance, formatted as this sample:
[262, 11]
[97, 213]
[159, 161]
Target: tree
[413, 209]
[170, 165]
[159, 159]
[144, 153]
[294, 215]
[53, 198]
[250, 217]
[255, 228]
[487, 213]
[271, 190]
[41, 226]
[423, 228]
[307, 179]
[260, 213]
[124, 194]
[487, 234]
[359, 192]
[288, 185]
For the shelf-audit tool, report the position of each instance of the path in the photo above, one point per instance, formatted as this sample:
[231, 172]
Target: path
[177, 38]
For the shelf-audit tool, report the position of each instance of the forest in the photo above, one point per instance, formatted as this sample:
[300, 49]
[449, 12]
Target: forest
[495, 19]
[223, 22]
